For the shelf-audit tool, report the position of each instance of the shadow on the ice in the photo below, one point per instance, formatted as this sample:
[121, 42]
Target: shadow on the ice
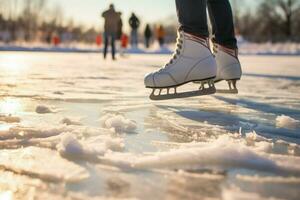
[291, 78]
[232, 122]
[262, 107]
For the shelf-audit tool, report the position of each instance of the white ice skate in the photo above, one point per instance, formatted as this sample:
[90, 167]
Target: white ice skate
[192, 62]
[229, 68]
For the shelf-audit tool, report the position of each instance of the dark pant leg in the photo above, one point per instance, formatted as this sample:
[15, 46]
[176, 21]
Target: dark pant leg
[147, 42]
[222, 22]
[192, 16]
[113, 46]
[105, 45]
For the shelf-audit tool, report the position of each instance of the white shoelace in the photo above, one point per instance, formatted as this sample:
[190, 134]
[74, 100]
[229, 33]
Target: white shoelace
[177, 52]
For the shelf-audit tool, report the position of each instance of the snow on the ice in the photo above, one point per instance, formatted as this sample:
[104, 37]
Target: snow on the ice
[69, 121]
[118, 123]
[287, 122]
[90, 149]
[9, 119]
[43, 109]
[42, 163]
[223, 153]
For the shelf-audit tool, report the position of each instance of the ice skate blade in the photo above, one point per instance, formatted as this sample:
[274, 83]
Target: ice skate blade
[232, 87]
[202, 92]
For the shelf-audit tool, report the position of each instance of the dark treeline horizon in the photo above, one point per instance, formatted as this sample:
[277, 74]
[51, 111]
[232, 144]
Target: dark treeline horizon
[269, 21]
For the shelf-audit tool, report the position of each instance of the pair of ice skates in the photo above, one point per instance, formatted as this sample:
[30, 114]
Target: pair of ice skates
[194, 62]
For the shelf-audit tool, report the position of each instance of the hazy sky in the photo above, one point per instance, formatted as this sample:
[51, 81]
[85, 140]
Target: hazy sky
[89, 11]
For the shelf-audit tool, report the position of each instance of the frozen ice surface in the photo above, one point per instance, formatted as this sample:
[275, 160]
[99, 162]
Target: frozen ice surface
[108, 140]
[42, 163]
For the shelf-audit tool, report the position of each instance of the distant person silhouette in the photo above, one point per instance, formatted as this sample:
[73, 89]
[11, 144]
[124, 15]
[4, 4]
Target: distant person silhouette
[134, 23]
[148, 35]
[160, 34]
[111, 28]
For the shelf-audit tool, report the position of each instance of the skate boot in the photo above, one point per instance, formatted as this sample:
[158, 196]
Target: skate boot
[229, 67]
[192, 62]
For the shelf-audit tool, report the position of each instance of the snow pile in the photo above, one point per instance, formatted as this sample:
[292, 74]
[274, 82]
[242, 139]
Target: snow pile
[90, 149]
[9, 119]
[258, 142]
[68, 122]
[118, 123]
[286, 122]
[224, 153]
[42, 109]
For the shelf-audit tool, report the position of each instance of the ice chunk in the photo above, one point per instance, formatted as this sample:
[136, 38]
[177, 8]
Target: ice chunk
[9, 119]
[42, 109]
[286, 122]
[42, 163]
[118, 123]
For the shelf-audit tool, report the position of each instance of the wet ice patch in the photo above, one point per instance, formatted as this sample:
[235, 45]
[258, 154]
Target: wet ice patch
[286, 122]
[118, 123]
[42, 109]
[42, 163]
[9, 119]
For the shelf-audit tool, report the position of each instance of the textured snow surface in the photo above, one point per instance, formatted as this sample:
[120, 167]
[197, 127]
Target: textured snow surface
[94, 134]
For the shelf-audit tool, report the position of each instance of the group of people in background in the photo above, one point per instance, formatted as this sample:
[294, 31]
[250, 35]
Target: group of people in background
[113, 31]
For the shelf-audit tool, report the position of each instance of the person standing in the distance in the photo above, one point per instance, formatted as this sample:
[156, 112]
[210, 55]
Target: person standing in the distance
[111, 28]
[134, 23]
[147, 35]
[160, 33]
[193, 60]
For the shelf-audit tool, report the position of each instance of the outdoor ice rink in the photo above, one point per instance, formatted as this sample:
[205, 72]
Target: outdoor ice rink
[74, 126]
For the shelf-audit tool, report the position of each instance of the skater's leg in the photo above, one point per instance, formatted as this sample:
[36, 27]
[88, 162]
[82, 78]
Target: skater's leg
[222, 23]
[113, 47]
[134, 38]
[192, 17]
[225, 44]
[105, 45]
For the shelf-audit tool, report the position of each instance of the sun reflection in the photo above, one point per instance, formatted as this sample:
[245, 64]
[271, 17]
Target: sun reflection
[10, 106]
[7, 195]
[13, 63]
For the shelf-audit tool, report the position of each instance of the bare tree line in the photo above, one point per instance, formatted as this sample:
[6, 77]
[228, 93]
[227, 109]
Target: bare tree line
[30, 20]
[272, 20]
